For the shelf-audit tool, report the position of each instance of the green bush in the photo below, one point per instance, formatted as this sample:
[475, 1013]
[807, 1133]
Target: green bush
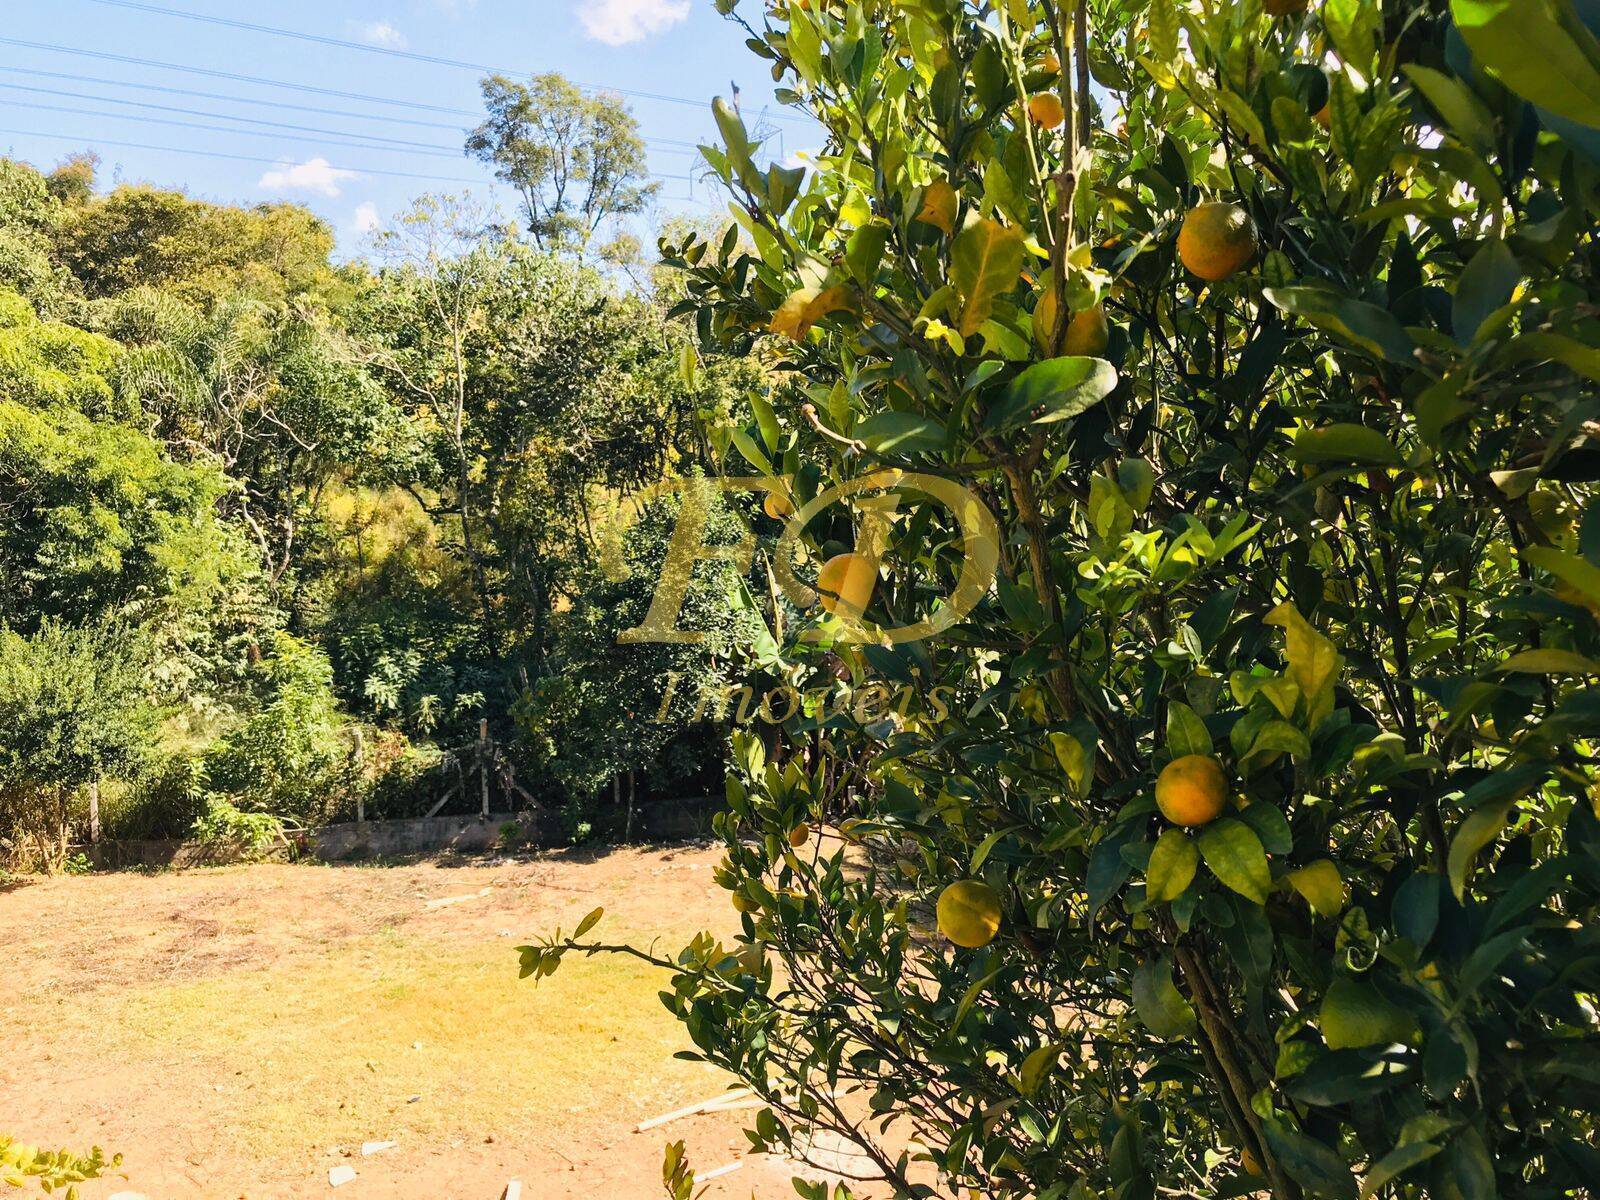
[290, 756]
[73, 710]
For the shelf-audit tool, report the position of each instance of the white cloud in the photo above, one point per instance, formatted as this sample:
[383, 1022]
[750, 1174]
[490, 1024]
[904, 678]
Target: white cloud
[618, 22]
[318, 175]
[367, 219]
[382, 33]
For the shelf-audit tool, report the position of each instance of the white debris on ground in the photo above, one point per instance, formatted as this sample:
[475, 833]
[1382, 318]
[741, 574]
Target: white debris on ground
[339, 1176]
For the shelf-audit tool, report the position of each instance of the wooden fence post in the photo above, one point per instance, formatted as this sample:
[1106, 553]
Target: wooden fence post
[94, 812]
[483, 763]
[357, 753]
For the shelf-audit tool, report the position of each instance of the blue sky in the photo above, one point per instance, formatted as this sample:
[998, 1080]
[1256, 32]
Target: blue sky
[333, 161]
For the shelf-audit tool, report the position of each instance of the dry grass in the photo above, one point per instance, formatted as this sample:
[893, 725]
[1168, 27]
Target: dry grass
[235, 1032]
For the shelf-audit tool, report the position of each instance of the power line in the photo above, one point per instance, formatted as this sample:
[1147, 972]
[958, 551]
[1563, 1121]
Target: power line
[455, 127]
[255, 80]
[389, 51]
[372, 137]
[236, 77]
[434, 147]
[273, 162]
[349, 144]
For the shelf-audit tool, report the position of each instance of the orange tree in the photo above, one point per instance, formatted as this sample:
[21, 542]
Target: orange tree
[1257, 795]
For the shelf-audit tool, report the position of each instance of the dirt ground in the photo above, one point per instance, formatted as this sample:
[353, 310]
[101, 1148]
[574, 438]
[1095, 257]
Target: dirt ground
[237, 1032]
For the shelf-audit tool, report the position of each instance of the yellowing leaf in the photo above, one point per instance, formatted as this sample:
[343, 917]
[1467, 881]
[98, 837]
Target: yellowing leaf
[1480, 828]
[1354, 1015]
[804, 308]
[1036, 1066]
[1235, 855]
[1072, 758]
[1313, 660]
[1322, 887]
[985, 262]
[1550, 662]
[1569, 568]
[1172, 868]
[939, 206]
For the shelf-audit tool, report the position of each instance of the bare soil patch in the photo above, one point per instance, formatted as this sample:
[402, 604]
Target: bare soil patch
[237, 1032]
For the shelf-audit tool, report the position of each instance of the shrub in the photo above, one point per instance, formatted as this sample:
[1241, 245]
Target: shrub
[73, 710]
[290, 757]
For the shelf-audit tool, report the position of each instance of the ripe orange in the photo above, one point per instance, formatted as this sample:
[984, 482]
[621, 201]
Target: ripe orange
[1324, 117]
[1191, 790]
[969, 913]
[1247, 1160]
[1087, 333]
[1046, 110]
[777, 506]
[800, 835]
[1216, 240]
[846, 581]
[1051, 63]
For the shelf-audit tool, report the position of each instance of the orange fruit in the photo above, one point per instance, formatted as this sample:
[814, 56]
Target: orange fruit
[1247, 1160]
[1191, 790]
[846, 581]
[969, 913]
[777, 506]
[1051, 63]
[1216, 240]
[800, 835]
[1046, 110]
[1087, 333]
[1324, 117]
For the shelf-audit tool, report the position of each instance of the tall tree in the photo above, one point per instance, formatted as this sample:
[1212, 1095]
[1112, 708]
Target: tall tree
[577, 161]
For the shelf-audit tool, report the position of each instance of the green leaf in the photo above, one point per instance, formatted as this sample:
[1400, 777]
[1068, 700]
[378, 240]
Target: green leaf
[901, 433]
[1455, 102]
[985, 262]
[1537, 48]
[589, 922]
[1551, 347]
[1159, 1003]
[1471, 1167]
[1365, 326]
[1172, 868]
[1186, 732]
[1235, 855]
[1314, 1165]
[864, 251]
[1480, 829]
[1055, 390]
[766, 421]
[1396, 1163]
[1486, 286]
[1353, 1015]
[1271, 826]
[1345, 442]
